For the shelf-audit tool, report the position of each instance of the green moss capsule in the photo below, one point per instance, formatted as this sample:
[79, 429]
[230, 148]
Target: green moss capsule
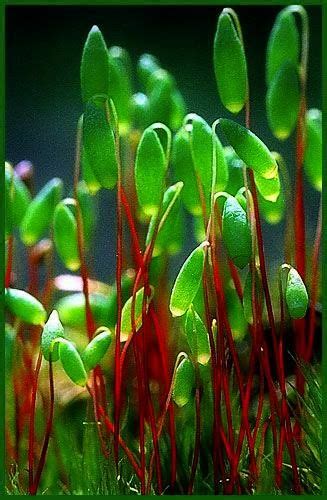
[99, 144]
[25, 306]
[230, 64]
[201, 144]
[222, 171]
[39, 213]
[313, 148]
[235, 314]
[71, 309]
[161, 86]
[177, 110]
[51, 331]
[120, 88]
[94, 66]
[197, 336]
[72, 362]
[17, 199]
[96, 349]
[296, 295]
[283, 44]
[87, 205]
[283, 101]
[236, 232]
[147, 64]
[235, 171]
[269, 189]
[88, 175]
[183, 383]
[252, 151]
[187, 282]
[140, 110]
[126, 315]
[273, 212]
[65, 236]
[150, 171]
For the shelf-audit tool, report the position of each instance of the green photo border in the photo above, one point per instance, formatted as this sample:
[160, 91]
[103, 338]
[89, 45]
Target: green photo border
[323, 4]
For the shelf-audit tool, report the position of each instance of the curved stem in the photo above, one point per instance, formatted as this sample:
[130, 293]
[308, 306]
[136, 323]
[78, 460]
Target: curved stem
[31, 438]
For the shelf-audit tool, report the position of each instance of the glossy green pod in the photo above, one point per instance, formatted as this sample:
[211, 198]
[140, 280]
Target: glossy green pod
[177, 110]
[39, 213]
[71, 309]
[51, 331]
[140, 110]
[269, 189]
[247, 295]
[201, 145]
[236, 232]
[230, 64]
[313, 148]
[283, 101]
[188, 281]
[252, 151]
[87, 206]
[96, 349]
[25, 306]
[65, 236]
[197, 336]
[161, 86]
[99, 144]
[126, 315]
[17, 199]
[150, 171]
[88, 175]
[296, 295]
[222, 171]
[120, 86]
[94, 66]
[283, 44]
[146, 65]
[182, 163]
[183, 383]
[272, 212]
[235, 315]
[72, 362]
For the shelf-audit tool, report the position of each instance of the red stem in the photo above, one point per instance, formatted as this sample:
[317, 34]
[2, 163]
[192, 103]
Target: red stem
[32, 423]
[197, 441]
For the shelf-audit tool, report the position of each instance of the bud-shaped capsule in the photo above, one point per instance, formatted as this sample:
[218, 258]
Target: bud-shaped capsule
[252, 151]
[230, 64]
[222, 171]
[272, 212]
[236, 232]
[283, 101]
[188, 281]
[94, 66]
[72, 362]
[140, 110]
[147, 64]
[25, 306]
[235, 171]
[39, 213]
[99, 144]
[197, 336]
[183, 383]
[71, 309]
[178, 110]
[65, 235]
[313, 148]
[51, 331]
[88, 175]
[201, 144]
[235, 315]
[120, 88]
[17, 199]
[161, 86]
[96, 349]
[296, 295]
[150, 171]
[269, 189]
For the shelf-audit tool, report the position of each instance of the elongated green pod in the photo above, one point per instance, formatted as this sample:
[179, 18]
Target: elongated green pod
[230, 64]
[25, 306]
[182, 163]
[177, 111]
[273, 212]
[88, 175]
[17, 199]
[247, 295]
[126, 315]
[150, 170]
[51, 331]
[235, 171]
[87, 205]
[235, 315]
[71, 309]
[94, 66]
[313, 148]
[252, 151]
[140, 110]
[96, 349]
[296, 295]
[268, 188]
[283, 44]
[72, 362]
[39, 213]
[222, 171]
[99, 144]
[161, 86]
[168, 217]
[236, 232]
[188, 281]
[146, 65]
[197, 336]
[283, 101]
[120, 87]
[201, 145]
[183, 383]
[65, 235]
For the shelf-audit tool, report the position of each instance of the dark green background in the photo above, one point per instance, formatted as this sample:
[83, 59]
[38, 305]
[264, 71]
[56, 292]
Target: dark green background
[44, 46]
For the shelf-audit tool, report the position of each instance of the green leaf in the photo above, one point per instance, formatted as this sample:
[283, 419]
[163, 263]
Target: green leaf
[183, 383]
[38, 216]
[150, 171]
[252, 151]
[236, 233]
[230, 64]
[17, 199]
[283, 44]
[188, 281]
[94, 66]
[296, 295]
[65, 236]
[51, 331]
[96, 349]
[25, 306]
[126, 316]
[72, 362]
[99, 144]
[197, 336]
[313, 148]
[283, 101]
[120, 87]
[268, 188]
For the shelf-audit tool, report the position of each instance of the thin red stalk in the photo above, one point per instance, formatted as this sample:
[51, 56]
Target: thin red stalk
[197, 441]
[132, 228]
[10, 253]
[31, 439]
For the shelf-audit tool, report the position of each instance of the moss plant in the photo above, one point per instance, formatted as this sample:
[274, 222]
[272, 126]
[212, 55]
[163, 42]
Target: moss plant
[204, 384]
